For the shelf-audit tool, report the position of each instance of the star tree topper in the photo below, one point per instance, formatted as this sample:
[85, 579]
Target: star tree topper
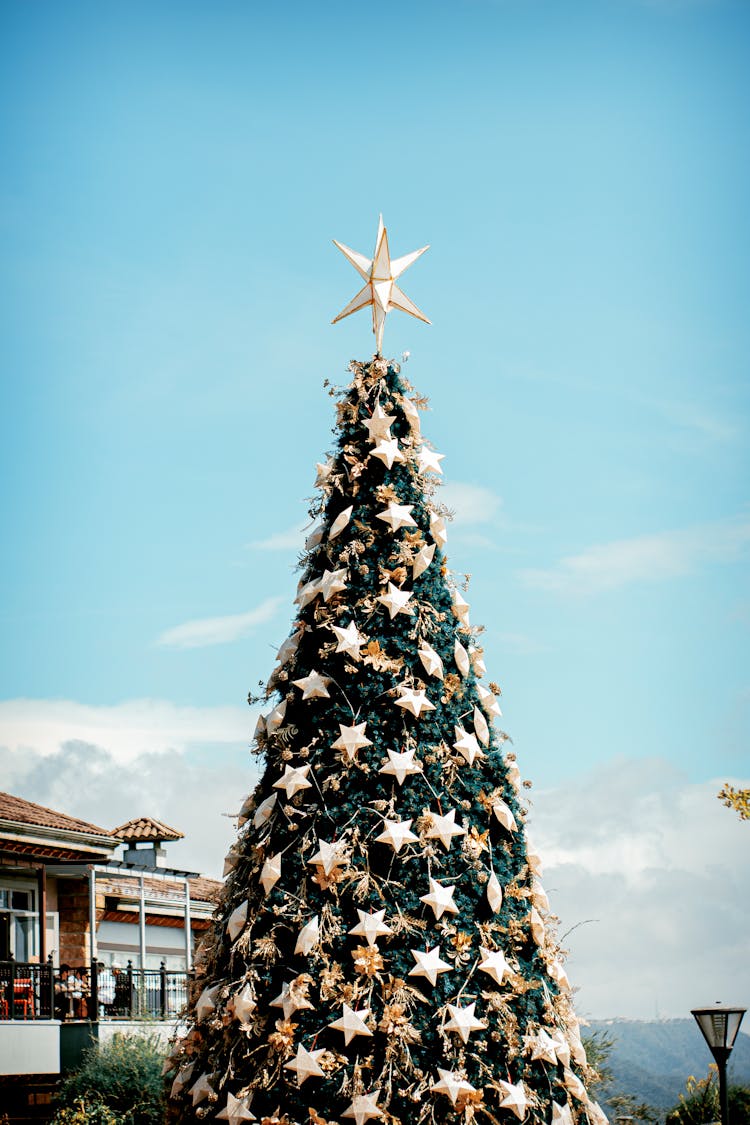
[380, 290]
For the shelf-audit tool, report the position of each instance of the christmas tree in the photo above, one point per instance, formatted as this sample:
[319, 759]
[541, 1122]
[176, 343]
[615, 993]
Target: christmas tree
[382, 949]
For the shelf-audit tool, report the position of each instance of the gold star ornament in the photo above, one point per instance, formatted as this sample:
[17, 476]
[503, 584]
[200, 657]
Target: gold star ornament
[380, 274]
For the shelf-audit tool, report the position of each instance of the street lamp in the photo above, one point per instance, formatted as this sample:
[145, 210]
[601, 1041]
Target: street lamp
[719, 1026]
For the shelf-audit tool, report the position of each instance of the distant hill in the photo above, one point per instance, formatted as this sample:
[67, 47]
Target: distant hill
[652, 1059]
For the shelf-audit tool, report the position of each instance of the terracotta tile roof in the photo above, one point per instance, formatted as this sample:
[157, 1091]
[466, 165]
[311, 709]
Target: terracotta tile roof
[202, 889]
[205, 889]
[146, 828]
[26, 812]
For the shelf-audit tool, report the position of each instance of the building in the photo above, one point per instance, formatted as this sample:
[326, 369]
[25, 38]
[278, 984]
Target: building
[96, 932]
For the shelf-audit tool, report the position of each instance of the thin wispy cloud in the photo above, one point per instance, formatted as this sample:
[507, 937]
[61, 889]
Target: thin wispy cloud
[291, 539]
[651, 859]
[206, 631]
[644, 558]
[126, 730]
[471, 504]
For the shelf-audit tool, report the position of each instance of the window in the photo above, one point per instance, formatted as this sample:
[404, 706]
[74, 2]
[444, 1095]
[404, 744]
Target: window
[18, 922]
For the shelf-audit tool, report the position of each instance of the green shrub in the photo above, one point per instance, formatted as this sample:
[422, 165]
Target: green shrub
[118, 1083]
[87, 1113]
[699, 1105]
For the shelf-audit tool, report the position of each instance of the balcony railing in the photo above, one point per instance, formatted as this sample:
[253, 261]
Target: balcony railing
[96, 992]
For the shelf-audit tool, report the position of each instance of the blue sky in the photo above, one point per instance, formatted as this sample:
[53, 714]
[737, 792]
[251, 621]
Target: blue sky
[172, 177]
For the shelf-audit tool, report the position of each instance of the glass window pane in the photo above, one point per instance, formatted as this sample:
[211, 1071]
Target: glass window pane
[21, 900]
[24, 938]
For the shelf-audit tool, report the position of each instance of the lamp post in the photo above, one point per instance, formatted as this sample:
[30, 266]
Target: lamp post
[719, 1026]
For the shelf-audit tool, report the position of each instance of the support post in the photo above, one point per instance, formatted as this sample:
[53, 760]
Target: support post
[142, 922]
[41, 882]
[92, 914]
[163, 989]
[188, 929]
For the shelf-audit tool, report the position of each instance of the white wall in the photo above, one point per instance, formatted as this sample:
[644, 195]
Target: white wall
[163, 1031]
[30, 1047]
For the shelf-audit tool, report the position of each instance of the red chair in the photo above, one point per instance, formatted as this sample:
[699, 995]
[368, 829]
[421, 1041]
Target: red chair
[23, 996]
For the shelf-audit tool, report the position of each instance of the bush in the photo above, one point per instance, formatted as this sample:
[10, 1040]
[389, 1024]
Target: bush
[699, 1105]
[87, 1113]
[118, 1083]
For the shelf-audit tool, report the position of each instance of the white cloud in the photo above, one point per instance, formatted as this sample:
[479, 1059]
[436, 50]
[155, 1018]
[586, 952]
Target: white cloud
[219, 630]
[645, 558]
[196, 792]
[291, 539]
[126, 730]
[471, 503]
[649, 861]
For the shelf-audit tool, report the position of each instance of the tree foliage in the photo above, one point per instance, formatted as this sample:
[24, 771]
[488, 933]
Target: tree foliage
[118, 1083]
[699, 1104]
[737, 799]
[332, 985]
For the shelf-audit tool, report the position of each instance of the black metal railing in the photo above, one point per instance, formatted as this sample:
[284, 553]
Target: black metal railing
[26, 991]
[96, 992]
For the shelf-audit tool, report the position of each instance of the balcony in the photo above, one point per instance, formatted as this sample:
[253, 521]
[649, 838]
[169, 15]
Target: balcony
[94, 992]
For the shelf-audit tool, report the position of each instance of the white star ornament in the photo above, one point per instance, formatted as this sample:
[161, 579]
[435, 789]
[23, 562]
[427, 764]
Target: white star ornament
[378, 425]
[349, 640]
[451, 1085]
[201, 1089]
[440, 899]
[542, 1047]
[463, 1021]
[371, 926]
[515, 1098]
[235, 1111]
[387, 451]
[290, 1001]
[352, 1023]
[332, 582]
[397, 515]
[313, 686]
[364, 1107]
[414, 701]
[493, 964]
[351, 739]
[380, 274]
[401, 765]
[327, 856]
[396, 601]
[429, 964]
[429, 460]
[294, 780]
[397, 833]
[306, 1064]
[467, 745]
[444, 828]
